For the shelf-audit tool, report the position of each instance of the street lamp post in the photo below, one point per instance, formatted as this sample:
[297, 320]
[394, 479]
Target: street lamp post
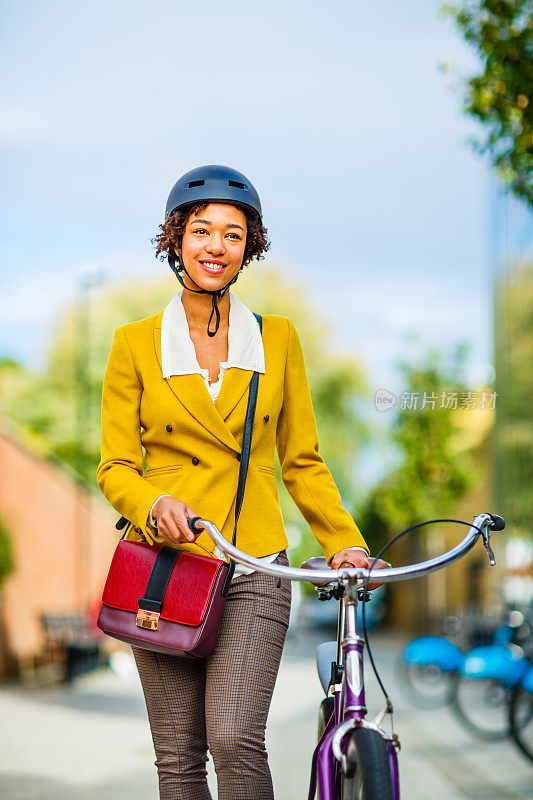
[84, 429]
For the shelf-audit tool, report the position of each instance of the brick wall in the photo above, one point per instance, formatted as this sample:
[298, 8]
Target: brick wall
[63, 542]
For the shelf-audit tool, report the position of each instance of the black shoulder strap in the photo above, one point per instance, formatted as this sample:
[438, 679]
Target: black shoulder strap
[245, 456]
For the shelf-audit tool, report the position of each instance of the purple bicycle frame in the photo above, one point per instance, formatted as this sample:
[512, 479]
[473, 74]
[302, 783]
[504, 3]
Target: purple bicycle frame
[350, 709]
[350, 712]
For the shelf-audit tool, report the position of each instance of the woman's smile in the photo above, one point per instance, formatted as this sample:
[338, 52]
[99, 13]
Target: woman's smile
[213, 267]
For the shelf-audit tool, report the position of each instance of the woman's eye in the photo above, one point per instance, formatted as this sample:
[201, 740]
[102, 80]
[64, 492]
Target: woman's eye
[203, 230]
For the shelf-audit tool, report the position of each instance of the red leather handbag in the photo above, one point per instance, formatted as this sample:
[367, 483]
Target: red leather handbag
[164, 599]
[169, 600]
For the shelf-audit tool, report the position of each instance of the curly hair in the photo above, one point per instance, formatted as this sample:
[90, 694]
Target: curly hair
[173, 228]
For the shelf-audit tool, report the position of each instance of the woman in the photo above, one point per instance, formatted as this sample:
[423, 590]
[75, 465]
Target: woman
[177, 385]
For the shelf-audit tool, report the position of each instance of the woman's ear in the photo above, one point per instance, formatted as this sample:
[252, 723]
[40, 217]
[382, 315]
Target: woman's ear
[177, 260]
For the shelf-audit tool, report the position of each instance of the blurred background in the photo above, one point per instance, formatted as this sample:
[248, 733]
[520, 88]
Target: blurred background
[392, 147]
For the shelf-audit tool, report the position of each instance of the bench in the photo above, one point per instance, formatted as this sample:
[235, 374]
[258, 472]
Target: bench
[73, 634]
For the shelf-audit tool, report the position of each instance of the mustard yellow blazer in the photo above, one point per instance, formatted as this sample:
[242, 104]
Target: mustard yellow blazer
[192, 445]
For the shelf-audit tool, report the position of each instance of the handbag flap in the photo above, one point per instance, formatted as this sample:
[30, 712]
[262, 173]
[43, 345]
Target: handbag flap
[188, 592]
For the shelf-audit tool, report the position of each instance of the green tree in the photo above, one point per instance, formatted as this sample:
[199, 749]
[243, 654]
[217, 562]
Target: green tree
[514, 383]
[432, 476]
[499, 96]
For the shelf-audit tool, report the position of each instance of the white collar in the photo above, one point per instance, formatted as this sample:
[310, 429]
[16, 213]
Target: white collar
[178, 356]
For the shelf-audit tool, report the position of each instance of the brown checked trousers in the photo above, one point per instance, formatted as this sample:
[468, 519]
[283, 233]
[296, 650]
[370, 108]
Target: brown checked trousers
[220, 702]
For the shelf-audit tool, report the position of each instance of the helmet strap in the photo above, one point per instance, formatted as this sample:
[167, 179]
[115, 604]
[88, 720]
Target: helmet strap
[215, 293]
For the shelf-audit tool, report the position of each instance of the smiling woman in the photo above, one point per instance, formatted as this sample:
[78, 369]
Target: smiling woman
[232, 216]
[187, 387]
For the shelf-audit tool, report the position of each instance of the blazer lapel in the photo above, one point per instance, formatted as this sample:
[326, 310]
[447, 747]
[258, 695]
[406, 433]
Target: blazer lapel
[234, 384]
[192, 393]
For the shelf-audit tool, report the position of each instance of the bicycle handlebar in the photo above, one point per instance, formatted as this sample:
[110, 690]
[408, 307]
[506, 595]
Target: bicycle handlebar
[481, 526]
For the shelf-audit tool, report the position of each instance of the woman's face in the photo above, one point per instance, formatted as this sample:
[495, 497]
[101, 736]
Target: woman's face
[213, 245]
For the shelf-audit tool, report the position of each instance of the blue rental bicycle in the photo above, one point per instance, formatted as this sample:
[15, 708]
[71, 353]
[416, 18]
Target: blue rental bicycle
[521, 713]
[476, 682]
[355, 758]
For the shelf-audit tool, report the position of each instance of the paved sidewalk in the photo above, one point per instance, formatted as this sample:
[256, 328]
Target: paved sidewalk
[92, 740]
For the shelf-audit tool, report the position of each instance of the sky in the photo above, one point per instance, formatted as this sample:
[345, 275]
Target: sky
[338, 113]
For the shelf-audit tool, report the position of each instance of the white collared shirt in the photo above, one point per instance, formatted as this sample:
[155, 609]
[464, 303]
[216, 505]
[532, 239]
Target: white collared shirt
[178, 357]
[178, 354]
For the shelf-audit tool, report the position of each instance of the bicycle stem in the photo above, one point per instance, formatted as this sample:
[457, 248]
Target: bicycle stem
[352, 646]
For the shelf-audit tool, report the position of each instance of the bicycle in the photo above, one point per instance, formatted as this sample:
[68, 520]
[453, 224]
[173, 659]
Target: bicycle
[428, 670]
[476, 682]
[355, 758]
[521, 714]
[485, 680]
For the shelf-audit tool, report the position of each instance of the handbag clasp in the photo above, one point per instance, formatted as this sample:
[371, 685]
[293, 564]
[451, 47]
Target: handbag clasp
[147, 619]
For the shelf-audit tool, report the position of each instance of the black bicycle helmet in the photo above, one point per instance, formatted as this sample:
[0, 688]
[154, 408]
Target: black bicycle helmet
[211, 183]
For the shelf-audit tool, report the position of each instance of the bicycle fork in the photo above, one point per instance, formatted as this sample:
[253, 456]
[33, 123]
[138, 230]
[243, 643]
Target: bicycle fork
[329, 757]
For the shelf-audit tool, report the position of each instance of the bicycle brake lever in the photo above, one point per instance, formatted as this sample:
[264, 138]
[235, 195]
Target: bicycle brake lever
[488, 548]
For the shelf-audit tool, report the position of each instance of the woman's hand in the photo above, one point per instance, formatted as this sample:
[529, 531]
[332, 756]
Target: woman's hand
[354, 557]
[171, 518]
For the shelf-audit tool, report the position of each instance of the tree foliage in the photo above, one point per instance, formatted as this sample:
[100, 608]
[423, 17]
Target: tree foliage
[514, 377]
[433, 473]
[499, 96]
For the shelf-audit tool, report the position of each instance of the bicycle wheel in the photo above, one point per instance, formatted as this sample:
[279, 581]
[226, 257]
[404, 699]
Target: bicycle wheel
[521, 720]
[482, 705]
[369, 775]
[426, 685]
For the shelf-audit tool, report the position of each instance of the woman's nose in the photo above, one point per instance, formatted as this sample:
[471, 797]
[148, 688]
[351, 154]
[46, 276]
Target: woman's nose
[215, 244]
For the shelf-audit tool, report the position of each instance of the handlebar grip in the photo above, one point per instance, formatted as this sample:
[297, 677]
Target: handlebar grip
[498, 523]
[192, 525]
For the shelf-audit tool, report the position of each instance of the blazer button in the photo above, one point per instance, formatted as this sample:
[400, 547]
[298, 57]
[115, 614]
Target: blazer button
[137, 530]
[169, 428]
[195, 461]
[266, 418]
